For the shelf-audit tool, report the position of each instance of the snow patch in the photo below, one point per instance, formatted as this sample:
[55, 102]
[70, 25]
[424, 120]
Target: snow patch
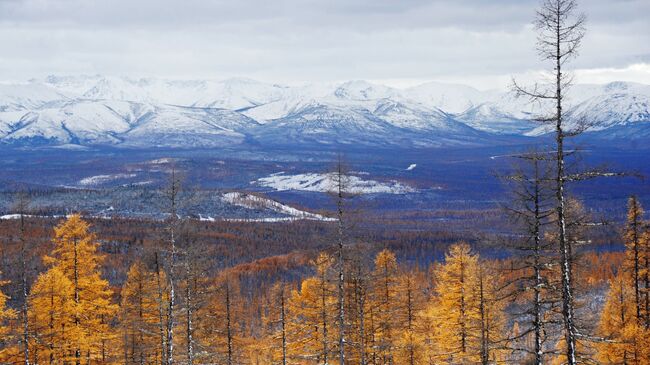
[257, 202]
[102, 179]
[326, 183]
[162, 161]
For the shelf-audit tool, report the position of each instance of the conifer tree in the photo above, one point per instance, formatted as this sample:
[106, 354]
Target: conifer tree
[312, 325]
[139, 319]
[464, 312]
[410, 343]
[634, 251]
[531, 285]
[75, 256]
[384, 306]
[618, 324]
[5, 315]
[220, 329]
[359, 301]
[276, 323]
[51, 305]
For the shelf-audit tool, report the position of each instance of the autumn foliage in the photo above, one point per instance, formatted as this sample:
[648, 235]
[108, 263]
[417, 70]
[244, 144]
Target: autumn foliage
[458, 310]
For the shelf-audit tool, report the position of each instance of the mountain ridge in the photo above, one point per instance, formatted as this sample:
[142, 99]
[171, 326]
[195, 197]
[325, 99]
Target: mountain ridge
[97, 110]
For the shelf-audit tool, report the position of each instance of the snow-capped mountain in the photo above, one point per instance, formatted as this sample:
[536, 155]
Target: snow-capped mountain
[115, 122]
[99, 110]
[615, 105]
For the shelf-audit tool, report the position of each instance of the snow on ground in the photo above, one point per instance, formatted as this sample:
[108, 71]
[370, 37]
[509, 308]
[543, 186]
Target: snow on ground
[411, 167]
[11, 216]
[101, 179]
[326, 183]
[163, 161]
[258, 202]
[17, 216]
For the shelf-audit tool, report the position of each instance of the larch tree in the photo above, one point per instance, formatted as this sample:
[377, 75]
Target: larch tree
[193, 292]
[531, 280]
[276, 323]
[172, 195]
[464, 312]
[22, 206]
[561, 29]
[618, 324]
[645, 248]
[341, 192]
[220, 330]
[454, 310]
[314, 312]
[384, 306]
[359, 287]
[51, 304]
[633, 238]
[5, 315]
[162, 299]
[139, 317]
[410, 341]
[75, 255]
[491, 314]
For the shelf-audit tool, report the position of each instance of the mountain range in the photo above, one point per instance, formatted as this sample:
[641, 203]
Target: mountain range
[100, 110]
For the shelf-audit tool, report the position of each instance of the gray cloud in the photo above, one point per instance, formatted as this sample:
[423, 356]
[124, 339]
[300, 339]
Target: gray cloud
[303, 40]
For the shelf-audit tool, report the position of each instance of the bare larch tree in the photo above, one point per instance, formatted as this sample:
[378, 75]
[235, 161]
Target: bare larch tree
[22, 206]
[531, 210]
[340, 191]
[172, 194]
[560, 32]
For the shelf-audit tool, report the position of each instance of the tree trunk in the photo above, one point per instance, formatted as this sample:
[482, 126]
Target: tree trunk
[565, 244]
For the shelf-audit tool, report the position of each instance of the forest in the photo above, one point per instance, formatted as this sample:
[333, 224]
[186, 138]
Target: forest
[561, 286]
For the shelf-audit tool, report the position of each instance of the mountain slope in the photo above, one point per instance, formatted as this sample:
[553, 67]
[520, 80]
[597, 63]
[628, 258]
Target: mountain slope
[100, 110]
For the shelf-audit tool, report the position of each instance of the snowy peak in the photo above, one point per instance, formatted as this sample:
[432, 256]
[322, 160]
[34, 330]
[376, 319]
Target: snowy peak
[96, 109]
[448, 97]
[363, 90]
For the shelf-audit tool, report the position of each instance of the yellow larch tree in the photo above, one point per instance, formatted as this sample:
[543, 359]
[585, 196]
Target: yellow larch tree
[311, 331]
[466, 317]
[139, 317]
[75, 256]
[634, 252]
[384, 306]
[51, 303]
[410, 341]
[492, 315]
[454, 310]
[219, 332]
[273, 348]
[6, 314]
[618, 324]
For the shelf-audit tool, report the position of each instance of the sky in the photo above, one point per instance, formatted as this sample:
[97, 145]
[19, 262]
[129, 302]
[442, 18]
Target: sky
[483, 43]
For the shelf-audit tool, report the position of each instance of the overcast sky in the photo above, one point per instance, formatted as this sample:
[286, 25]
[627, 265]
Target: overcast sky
[396, 42]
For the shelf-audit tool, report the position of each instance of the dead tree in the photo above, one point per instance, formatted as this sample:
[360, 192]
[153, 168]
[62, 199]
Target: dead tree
[283, 323]
[22, 206]
[532, 210]
[161, 310]
[341, 192]
[171, 195]
[189, 312]
[560, 32]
